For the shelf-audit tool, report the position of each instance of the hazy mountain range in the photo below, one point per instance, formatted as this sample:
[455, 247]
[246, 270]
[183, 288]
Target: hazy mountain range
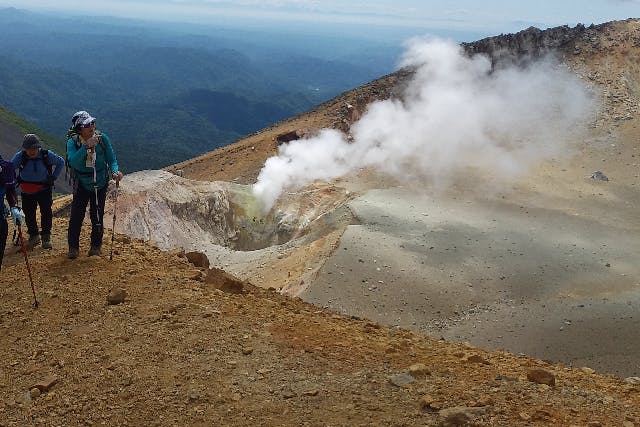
[171, 91]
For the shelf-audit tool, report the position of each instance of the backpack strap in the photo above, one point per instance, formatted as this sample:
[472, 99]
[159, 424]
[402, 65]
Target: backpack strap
[47, 161]
[23, 162]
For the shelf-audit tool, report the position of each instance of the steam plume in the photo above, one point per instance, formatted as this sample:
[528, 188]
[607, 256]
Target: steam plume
[456, 115]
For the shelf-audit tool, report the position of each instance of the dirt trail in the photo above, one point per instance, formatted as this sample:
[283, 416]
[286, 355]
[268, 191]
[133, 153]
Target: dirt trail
[178, 351]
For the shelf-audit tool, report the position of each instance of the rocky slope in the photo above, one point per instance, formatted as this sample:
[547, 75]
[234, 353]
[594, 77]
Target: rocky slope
[155, 337]
[178, 349]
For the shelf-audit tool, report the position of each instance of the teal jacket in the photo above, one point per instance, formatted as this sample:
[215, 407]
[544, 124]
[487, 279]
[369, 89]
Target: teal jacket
[106, 163]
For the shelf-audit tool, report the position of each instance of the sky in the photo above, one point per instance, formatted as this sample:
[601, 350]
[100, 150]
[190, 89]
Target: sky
[488, 17]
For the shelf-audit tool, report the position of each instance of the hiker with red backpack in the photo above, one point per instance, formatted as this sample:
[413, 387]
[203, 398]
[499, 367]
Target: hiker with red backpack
[8, 191]
[93, 163]
[37, 169]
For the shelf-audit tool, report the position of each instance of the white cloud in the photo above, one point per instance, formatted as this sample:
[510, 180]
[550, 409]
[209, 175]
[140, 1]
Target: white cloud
[457, 116]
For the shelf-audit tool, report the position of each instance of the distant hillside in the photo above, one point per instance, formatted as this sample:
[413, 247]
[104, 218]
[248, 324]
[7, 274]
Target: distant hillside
[184, 94]
[13, 128]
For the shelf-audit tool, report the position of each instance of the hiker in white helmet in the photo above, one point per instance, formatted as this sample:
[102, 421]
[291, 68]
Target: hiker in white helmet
[93, 163]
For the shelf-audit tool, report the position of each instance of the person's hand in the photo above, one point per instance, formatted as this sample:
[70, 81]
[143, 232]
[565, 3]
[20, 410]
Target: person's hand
[17, 216]
[117, 176]
[92, 142]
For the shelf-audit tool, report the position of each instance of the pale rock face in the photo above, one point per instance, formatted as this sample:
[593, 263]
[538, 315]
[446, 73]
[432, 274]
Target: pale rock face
[172, 212]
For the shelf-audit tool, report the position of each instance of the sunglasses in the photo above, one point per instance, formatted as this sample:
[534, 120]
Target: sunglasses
[88, 125]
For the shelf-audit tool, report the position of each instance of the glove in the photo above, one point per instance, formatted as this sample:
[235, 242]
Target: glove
[17, 216]
[117, 176]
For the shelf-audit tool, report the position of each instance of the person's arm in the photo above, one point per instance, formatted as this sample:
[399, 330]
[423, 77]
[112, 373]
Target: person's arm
[17, 160]
[111, 159]
[76, 155]
[58, 163]
[10, 194]
[110, 154]
[16, 213]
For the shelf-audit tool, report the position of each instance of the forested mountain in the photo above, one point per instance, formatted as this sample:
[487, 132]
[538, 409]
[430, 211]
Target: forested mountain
[165, 92]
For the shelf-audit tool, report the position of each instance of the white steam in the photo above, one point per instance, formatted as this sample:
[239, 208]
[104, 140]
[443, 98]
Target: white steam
[456, 115]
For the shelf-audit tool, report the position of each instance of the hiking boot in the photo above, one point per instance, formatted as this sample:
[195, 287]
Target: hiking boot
[46, 241]
[94, 251]
[73, 253]
[34, 240]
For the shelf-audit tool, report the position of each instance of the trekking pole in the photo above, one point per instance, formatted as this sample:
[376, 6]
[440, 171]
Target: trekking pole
[95, 191]
[113, 225]
[26, 260]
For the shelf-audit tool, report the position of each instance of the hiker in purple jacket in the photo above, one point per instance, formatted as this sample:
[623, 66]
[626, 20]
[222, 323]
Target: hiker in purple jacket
[8, 191]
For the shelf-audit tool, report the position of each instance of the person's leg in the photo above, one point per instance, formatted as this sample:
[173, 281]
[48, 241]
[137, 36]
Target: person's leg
[29, 205]
[4, 231]
[78, 210]
[45, 201]
[96, 212]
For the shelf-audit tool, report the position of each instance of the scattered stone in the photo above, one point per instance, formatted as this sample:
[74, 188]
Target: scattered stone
[429, 403]
[198, 259]
[289, 136]
[418, 371]
[123, 238]
[459, 416]
[35, 392]
[116, 296]
[45, 384]
[541, 376]
[224, 281]
[288, 394]
[542, 415]
[599, 176]
[483, 401]
[476, 358]
[401, 380]
[632, 380]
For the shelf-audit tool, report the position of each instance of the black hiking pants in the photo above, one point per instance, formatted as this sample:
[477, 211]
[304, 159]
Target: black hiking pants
[30, 202]
[4, 232]
[82, 197]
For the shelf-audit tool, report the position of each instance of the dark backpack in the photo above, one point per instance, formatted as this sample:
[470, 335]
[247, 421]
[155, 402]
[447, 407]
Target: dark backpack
[47, 162]
[7, 173]
[7, 179]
